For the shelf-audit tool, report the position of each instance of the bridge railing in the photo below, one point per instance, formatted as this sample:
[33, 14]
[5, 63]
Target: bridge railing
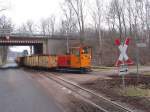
[5, 31]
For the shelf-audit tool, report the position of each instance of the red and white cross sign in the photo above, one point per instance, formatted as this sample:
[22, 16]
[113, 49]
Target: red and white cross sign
[123, 58]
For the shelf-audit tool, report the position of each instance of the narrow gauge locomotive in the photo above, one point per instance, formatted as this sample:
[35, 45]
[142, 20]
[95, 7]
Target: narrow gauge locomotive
[79, 59]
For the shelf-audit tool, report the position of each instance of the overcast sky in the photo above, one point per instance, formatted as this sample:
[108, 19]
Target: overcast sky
[22, 10]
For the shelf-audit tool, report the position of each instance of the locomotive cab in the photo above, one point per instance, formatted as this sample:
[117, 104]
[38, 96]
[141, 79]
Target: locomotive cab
[85, 56]
[81, 57]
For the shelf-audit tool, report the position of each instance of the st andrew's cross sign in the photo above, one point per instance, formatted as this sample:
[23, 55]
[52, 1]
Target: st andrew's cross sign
[123, 58]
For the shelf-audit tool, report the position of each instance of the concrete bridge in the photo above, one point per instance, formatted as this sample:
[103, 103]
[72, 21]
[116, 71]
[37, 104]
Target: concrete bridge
[41, 44]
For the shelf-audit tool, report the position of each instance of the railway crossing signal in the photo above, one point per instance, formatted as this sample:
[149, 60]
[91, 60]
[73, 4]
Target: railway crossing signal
[123, 58]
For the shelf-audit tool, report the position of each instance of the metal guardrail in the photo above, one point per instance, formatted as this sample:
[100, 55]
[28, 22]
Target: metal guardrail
[5, 31]
[9, 32]
[39, 36]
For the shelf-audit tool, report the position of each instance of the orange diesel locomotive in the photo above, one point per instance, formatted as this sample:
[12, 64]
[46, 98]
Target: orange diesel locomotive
[79, 59]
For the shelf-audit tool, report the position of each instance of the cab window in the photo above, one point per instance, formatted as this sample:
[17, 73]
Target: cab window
[75, 52]
[86, 50]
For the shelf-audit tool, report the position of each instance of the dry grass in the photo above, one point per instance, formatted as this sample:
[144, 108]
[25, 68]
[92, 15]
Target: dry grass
[146, 73]
[135, 92]
[101, 68]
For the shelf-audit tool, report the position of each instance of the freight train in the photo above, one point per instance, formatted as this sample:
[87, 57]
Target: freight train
[79, 59]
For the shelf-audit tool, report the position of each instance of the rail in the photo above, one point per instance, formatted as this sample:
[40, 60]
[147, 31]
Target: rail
[95, 99]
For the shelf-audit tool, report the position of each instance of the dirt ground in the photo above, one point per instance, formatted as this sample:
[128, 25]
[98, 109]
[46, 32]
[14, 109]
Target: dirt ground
[81, 78]
[112, 88]
[77, 105]
[105, 84]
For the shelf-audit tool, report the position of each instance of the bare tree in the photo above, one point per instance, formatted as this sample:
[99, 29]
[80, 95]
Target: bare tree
[43, 26]
[116, 9]
[30, 29]
[69, 22]
[136, 10]
[52, 21]
[111, 21]
[22, 29]
[47, 26]
[141, 17]
[147, 8]
[78, 7]
[5, 24]
[124, 18]
[97, 15]
[129, 11]
[27, 28]
[30, 26]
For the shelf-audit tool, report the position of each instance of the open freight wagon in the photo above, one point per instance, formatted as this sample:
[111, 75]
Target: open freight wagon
[79, 58]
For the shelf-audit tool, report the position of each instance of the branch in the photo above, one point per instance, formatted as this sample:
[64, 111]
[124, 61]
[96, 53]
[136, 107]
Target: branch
[3, 9]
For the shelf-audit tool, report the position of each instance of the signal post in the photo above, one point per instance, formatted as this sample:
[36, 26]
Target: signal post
[123, 61]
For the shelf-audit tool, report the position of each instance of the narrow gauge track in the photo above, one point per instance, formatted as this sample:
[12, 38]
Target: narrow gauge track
[101, 103]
